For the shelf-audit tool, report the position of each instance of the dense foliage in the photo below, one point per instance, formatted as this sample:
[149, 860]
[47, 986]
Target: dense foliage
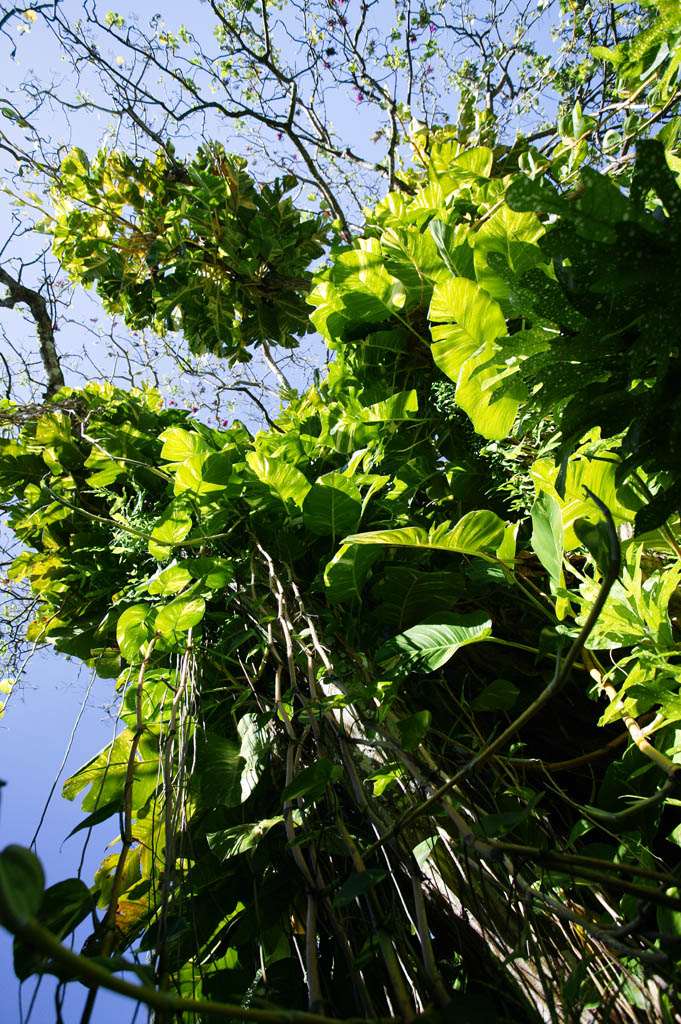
[398, 677]
[196, 247]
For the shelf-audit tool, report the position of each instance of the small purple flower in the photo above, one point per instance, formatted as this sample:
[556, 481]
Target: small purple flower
[432, 29]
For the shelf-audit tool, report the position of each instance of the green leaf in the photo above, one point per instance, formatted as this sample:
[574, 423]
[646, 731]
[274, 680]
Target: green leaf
[106, 774]
[478, 533]
[312, 781]
[432, 643]
[170, 580]
[219, 767]
[284, 481]
[478, 318]
[21, 884]
[333, 505]
[547, 535]
[133, 631]
[401, 406]
[596, 539]
[206, 473]
[216, 573]
[346, 573]
[357, 884]
[463, 350]
[598, 474]
[172, 528]
[423, 850]
[500, 695]
[180, 615]
[180, 445]
[231, 841]
[256, 745]
[412, 729]
[101, 814]
[62, 908]
[365, 287]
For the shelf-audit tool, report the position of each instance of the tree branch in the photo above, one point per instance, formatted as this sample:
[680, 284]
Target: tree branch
[18, 293]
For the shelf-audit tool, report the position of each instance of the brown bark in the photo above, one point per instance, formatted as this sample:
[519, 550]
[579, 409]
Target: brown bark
[19, 293]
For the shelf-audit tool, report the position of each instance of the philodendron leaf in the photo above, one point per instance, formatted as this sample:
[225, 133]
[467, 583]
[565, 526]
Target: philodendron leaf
[173, 527]
[332, 506]
[358, 884]
[312, 781]
[231, 841]
[21, 885]
[62, 907]
[285, 481]
[547, 535]
[219, 767]
[180, 615]
[180, 444]
[433, 642]
[478, 533]
[413, 728]
[133, 631]
[346, 573]
[547, 542]
[170, 580]
[214, 572]
[500, 695]
[464, 346]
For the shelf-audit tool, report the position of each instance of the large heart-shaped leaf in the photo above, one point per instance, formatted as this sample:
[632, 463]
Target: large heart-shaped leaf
[333, 505]
[480, 532]
[285, 481]
[432, 643]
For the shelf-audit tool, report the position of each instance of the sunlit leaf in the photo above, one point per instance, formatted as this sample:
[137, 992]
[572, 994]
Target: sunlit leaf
[432, 643]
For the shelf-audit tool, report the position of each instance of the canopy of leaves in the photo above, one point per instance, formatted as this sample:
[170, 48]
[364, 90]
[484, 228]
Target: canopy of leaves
[357, 656]
[195, 246]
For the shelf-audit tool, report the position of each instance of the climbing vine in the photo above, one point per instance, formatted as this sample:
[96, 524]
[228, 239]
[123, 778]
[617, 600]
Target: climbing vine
[398, 678]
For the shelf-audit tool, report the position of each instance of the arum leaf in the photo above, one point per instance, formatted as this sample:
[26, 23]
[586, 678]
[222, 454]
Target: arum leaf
[231, 841]
[254, 750]
[424, 849]
[358, 884]
[432, 643]
[346, 573]
[215, 572]
[332, 506]
[23, 881]
[172, 528]
[312, 781]
[101, 814]
[285, 481]
[133, 631]
[413, 729]
[180, 615]
[498, 696]
[205, 473]
[62, 907]
[170, 580]
[547, 535]
[219, 766]
[179, 444]
[477, 533]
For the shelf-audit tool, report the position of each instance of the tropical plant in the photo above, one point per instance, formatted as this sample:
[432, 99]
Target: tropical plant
[360, 772]
[398, 677]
